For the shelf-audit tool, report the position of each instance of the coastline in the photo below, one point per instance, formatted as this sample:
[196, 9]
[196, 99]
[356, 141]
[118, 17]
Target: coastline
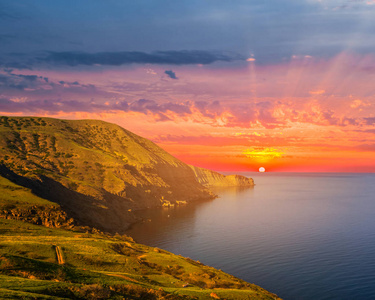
[150, 210]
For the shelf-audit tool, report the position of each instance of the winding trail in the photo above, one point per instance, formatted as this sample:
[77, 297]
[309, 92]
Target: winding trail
[59, 255]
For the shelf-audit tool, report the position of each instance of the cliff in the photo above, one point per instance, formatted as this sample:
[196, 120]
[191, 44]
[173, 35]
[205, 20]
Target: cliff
[99, 173]
[210, 178]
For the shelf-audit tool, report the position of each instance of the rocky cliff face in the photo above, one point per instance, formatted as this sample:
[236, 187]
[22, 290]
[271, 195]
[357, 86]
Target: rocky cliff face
[49, 216]
[213, 179]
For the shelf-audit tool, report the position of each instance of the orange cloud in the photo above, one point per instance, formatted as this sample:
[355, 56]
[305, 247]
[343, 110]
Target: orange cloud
[321, 111]
[359, 104]
[318, 92]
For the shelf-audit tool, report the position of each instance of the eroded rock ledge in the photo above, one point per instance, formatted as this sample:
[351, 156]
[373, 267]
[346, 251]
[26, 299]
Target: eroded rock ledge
[210, 178]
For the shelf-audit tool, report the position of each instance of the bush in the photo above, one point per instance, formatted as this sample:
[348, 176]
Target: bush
[93, 292]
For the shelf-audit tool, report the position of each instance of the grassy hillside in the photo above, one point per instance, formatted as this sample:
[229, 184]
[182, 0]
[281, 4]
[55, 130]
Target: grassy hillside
[98, 172]
[37, 262]
[61, 180]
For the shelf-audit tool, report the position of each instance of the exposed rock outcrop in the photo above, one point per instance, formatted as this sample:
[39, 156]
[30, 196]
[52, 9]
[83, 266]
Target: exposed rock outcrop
[48, 216]
[210, 178]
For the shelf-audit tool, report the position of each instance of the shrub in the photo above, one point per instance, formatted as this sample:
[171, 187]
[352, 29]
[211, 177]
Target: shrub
[93, 292]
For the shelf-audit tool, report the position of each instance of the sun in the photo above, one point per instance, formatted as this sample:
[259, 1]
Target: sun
[261, 169]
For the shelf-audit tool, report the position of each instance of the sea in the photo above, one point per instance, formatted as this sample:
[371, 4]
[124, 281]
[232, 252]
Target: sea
[299, 235]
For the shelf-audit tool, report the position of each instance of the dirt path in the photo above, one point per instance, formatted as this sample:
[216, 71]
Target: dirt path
[59, 256]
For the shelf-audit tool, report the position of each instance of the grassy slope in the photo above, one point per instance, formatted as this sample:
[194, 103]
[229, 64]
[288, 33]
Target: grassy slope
[98, 266]
[13, 195]
[98, 171]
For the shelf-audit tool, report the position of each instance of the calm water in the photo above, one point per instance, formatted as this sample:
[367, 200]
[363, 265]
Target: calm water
[302, 236]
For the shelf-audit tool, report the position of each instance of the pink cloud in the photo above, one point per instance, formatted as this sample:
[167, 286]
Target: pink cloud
[317, 92]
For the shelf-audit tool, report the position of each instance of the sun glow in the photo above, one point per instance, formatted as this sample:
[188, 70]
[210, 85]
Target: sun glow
[265, 154]
[261, 170]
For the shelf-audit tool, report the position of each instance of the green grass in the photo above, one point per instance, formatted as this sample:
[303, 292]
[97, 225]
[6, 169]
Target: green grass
[99, 171]
[110, 267]
[13, 195]
[98, 266]
[113, 265]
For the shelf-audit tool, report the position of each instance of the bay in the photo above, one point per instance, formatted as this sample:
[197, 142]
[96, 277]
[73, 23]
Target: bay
[299, 235]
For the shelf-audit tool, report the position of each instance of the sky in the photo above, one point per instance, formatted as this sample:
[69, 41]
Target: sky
[225, 85]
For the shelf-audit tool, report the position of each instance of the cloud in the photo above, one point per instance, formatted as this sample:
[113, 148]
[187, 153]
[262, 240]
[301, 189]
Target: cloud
[370, 121]
[222, 140]
[20, 81]
[366, 147]
[213, 113]
[254, 133]
[290, 25]
[183, 57]
[74, 58]
[263, 154]
[160, 112]
[372, 131]
[206, 140]
[171, 74]
[318, 116]
[359, 104]
[317, 92]
[37, 87]
[16, 105]
[209, 109]
[206, 112]
[151, 71]
[42, 95]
